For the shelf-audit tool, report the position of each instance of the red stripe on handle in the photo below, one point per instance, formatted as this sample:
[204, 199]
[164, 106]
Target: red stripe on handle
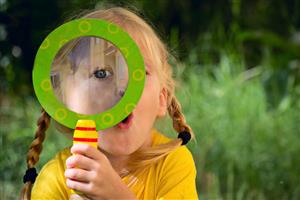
[85, 128]
[85, 139]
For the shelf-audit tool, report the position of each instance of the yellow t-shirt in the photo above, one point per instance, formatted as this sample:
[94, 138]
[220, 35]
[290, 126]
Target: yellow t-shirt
[173, 177]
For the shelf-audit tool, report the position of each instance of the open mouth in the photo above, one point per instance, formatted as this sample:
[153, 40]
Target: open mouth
[126, 123]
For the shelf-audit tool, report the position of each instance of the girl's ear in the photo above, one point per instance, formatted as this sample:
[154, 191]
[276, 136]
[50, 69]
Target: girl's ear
[162, 110]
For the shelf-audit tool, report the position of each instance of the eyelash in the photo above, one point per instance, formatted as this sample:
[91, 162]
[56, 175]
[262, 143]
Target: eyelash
[106, 69]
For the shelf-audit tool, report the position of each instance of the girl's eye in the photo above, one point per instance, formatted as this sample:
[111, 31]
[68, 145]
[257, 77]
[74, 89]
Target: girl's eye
[102, 73]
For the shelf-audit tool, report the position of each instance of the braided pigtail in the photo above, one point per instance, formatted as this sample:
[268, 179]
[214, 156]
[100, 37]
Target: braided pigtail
[33, 154]
[184, 130]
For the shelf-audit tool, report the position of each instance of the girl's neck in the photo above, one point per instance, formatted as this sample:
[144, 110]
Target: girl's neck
[117, 162]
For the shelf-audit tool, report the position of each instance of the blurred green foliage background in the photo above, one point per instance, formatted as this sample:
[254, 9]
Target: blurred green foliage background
[239, 84]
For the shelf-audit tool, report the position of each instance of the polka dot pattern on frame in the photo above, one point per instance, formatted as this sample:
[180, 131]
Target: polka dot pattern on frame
[107, 118]
[138, 75]
[113, 29]
[129, 107]
[84, 26]
[46, 85]
[60, 114]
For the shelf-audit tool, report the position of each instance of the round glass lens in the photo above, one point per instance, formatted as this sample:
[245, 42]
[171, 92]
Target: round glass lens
[89, 75]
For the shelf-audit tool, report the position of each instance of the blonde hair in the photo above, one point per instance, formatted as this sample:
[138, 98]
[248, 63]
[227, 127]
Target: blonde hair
[155, 54]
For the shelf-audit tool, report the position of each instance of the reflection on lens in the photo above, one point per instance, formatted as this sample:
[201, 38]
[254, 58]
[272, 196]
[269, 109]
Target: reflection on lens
[89, 75]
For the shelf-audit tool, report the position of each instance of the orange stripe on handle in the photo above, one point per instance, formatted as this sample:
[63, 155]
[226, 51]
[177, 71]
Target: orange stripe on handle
[85, 139]
[85, 128]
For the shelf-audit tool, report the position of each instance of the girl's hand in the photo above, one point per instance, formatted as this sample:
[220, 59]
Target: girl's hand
[94, 176]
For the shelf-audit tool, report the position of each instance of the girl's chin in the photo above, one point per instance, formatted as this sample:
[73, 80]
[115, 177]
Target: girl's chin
[117, 151]
[117, 146]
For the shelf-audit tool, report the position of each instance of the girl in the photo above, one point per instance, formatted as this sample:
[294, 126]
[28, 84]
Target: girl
[133, 161]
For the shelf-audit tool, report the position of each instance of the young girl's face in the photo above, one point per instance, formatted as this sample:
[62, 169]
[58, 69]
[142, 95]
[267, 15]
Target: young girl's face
[125, 138]
[85, 73]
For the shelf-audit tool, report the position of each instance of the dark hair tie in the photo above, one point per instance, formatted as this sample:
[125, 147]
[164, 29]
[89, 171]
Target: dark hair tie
[30, 175]
[185, 136]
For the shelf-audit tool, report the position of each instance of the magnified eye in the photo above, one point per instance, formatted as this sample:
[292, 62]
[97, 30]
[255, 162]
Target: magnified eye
[102, 73]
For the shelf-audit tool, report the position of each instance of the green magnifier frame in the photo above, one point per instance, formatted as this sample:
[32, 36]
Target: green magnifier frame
[94, 28]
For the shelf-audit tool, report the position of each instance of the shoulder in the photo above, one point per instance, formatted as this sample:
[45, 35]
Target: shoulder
[58, 162]
[62, 156]
[176, 175]
[180, 157]
[52, 175]
[159, 138]
[181, 154]
[180, 160]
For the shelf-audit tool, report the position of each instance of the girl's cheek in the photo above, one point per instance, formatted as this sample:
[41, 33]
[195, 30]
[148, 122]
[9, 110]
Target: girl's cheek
[149, 79]
[149, 89]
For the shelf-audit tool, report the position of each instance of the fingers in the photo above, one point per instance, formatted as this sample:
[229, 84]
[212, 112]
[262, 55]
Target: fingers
[76, 174]
[87, 151]
[78, 186]
[80, 161]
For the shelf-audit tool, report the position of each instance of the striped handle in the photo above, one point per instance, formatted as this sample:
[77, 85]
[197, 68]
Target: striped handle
[85, 133]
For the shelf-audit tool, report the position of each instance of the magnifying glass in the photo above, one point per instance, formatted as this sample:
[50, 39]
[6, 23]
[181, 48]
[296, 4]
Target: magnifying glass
[88, 75]
[88, 48]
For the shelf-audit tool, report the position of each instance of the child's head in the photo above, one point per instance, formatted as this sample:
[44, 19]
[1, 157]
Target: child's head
[157, 99]
[158, 96]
